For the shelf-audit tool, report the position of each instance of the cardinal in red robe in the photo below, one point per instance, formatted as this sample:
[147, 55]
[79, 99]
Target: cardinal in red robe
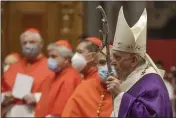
[57, 90]
[91, 98]
[33, 64]
[85, 58]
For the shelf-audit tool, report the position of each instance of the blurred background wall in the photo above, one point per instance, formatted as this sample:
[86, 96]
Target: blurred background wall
[69, 20]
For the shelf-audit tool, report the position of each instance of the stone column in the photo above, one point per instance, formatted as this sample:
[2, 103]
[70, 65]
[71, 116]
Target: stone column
[112, 10]
[108, 6]
[92, 23]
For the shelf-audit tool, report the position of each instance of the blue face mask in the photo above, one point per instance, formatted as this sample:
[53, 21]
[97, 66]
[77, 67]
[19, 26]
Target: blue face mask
[103, 72]
[114, 70]
[31, 50]
[53, 65]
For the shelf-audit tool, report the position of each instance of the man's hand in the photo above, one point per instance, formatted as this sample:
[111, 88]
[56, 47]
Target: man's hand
[113, 85]
[30, 99]
[7, 98]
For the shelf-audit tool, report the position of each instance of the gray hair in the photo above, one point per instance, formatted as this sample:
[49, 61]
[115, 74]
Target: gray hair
[62, 50]
[141, 59]
[34, 35]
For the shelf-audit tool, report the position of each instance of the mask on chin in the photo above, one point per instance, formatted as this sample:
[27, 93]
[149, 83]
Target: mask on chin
[78, 62]
[53, 65]
[31, 50]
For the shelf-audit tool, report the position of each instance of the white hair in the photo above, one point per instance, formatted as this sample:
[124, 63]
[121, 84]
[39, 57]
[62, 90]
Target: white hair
[34, 35]
[141, 59]
[62, 50]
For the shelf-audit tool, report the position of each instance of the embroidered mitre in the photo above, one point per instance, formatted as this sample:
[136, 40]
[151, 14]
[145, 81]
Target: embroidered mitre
[133, 39]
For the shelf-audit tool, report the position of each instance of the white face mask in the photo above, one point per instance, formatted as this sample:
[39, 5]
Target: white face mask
[78, 61]
[6, 67]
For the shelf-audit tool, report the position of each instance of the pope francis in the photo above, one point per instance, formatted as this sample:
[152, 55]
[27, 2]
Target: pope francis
[139, 92]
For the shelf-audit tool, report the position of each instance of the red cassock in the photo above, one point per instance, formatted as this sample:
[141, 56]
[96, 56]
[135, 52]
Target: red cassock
[90, 99]
[56, 91]
[38, 70]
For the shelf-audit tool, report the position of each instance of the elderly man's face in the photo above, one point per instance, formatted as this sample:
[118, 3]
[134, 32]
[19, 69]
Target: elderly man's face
[28, 40]
[123, 62]
[31, 47]
[61, 61]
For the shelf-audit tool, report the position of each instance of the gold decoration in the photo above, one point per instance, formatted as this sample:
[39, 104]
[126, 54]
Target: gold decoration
[67, 18]
[100, 104]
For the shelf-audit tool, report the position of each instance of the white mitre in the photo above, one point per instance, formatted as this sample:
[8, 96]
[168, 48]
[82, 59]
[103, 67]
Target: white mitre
[133, 40]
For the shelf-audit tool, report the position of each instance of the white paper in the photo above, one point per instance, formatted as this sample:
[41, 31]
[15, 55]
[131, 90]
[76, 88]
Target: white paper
[22, 86]
[2, 97]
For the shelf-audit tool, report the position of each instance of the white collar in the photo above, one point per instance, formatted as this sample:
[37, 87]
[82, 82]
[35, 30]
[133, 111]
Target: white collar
[136, 75]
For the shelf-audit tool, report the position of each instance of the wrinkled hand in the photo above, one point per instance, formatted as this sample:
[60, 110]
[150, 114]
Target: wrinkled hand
[8, 97]
[113, 85]
[30, 99]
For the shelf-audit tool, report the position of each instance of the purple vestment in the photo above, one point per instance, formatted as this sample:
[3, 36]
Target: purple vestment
[147, 98]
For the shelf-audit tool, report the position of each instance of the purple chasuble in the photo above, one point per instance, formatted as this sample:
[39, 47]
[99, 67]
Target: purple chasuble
[147, 98]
